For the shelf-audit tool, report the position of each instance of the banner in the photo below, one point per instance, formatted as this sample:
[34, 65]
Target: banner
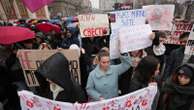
[123, 18]
[160, 17]
[189, 49]
[138, 100]
[135, 37]
[178, 29]
[93, 25]
[30, 60]
[34, 5]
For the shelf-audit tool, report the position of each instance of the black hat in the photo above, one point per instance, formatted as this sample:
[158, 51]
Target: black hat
[186, 71]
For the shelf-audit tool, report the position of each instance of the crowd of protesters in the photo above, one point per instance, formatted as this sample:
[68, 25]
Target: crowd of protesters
[101, 78]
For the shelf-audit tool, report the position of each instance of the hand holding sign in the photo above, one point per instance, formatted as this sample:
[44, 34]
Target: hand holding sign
[152, 36]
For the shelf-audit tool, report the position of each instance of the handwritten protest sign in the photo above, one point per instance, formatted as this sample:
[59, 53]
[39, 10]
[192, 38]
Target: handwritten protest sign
[135, 38]
[138, 100]
[189, 50]
[178, 29]
[123, 18]
[160, 17]
[93, 25]
[30, 60]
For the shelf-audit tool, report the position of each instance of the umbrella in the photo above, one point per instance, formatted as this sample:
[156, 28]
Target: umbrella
[48, 27]
[13, 34]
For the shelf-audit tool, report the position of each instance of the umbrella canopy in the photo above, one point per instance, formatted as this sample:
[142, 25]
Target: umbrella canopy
[48, 27]
[34, 5]
[13, 34]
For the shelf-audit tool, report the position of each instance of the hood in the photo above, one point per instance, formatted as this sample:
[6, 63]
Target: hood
[170, 86]
[190, 66]
[56, 69]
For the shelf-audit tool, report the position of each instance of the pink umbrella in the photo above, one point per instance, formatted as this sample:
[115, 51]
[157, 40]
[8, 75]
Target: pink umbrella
[34, 5]
[48, 27]
[13, 34]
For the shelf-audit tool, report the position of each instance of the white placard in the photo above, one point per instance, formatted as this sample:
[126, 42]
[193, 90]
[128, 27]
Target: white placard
[94, 25]
[123, 18]
[135, 37]
[160, 17]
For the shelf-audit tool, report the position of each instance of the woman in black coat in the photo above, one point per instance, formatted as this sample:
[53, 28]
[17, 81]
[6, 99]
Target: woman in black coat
[144, 73]
[178, 91]
[63, 88]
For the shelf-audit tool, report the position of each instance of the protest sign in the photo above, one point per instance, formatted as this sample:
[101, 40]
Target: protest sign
[179, 28]
[135, 38]
[123, 18]
[138, 100]
[30, 60]
[93, 25]
[189, 50]
[160, 17]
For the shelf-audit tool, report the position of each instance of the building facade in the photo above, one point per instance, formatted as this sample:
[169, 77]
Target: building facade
[69, 7]
[108, 5]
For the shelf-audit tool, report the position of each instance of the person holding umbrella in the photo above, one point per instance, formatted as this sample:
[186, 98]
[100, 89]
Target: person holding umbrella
[11, 72]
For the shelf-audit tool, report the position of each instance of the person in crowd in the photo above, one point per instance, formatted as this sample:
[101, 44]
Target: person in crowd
[44, 46]
[158, 48]
[40, 38]
[144, 73]
[177, 57]
[68, 40]
[177, 91]
[8, 91]
[103, 80]
[13, 64]
[63, 88]
[136, 56]
[95, 60]
[91, 46]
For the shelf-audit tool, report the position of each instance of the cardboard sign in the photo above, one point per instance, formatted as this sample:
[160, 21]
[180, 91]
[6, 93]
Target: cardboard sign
[189, 50]
[123, 18]
[135, 38]
[138, 100]
[30, 60]
[93, 25]
[160, 17]
[178, 29]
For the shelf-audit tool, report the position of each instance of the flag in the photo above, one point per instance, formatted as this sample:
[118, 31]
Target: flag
[34, 5]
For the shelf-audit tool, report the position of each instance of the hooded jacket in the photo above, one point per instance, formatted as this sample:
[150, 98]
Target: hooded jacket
[175, 60]
[56, 69]
[176, 97]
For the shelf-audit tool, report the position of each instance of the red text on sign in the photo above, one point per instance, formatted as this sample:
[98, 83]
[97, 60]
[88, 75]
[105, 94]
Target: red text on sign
[90, 32]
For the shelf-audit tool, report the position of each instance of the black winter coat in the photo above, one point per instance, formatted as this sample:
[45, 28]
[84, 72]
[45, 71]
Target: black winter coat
[176, 97]
[56, 69]
[175, 60]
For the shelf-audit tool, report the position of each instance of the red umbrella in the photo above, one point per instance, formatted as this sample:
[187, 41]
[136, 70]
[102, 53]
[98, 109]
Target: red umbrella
[48, 27]
[13, 34]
